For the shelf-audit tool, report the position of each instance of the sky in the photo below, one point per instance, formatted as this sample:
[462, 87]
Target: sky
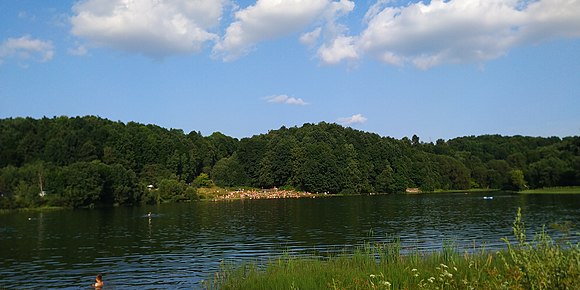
[437, 69]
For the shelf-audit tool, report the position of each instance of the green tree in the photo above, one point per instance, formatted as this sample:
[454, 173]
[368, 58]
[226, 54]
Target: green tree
[547, 172]
[385, 181]
[250, 153]
[276, 164]
[228, 172]
[415, 141]
[82, 184]
[355, 179]
[498, 174]
[171, 190]
[121, 185]
[202, 180]
[316, 168]
[517, 181]
[452, 173]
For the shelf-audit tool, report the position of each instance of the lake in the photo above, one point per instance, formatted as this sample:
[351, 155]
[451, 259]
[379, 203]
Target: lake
[179, 245]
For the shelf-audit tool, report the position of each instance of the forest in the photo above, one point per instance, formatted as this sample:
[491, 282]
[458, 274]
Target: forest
[90, 161]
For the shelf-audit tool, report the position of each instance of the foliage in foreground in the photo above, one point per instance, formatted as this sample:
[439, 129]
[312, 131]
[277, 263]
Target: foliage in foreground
[538, 264]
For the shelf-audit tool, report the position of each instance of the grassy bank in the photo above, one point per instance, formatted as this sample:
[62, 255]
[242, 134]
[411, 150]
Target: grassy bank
[33, 209]
[539, 264]
[553, 190]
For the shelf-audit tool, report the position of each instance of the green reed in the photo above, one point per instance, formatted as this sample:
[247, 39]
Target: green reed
[540, 263]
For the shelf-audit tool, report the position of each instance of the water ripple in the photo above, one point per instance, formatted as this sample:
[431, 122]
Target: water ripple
[181, 245]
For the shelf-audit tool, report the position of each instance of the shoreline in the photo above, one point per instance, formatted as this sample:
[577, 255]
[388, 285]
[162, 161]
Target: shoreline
[222, 194]
[33, 209]
[274, 193]
[553, 190]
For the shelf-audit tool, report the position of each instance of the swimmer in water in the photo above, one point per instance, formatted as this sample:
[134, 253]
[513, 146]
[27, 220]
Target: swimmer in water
[99, 281]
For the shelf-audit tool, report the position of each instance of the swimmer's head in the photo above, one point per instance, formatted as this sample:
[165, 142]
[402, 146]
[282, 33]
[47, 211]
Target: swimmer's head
[99, 281]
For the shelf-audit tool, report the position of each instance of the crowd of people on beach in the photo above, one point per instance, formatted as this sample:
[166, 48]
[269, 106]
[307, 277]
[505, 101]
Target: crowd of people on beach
[264, 194]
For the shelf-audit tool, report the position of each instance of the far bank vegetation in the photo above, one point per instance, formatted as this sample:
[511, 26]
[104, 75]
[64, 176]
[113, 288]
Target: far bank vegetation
[90, 161]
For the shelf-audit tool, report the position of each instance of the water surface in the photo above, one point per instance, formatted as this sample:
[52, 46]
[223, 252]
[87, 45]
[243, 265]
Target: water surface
[179, 245]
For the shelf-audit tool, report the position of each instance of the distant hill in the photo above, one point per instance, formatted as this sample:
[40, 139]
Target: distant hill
[88, 160]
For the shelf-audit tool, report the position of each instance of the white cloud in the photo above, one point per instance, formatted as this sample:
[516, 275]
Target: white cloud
[150, 27]
[25, 48]
[340, 49]
[310, 38]
[284, 99]
[335, 11]
[26, 16]
[79, 50]
[422, 33]
[335, 45]
[550, 19]
[268, 19]
[375, 9]
[455, 31]
[354, 119]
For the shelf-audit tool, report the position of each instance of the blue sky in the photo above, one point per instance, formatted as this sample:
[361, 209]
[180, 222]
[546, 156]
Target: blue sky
[438, 69]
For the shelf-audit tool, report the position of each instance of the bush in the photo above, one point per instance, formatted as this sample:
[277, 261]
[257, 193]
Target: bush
[171, 190]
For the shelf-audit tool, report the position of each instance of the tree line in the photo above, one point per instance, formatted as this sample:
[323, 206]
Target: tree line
[91, 161]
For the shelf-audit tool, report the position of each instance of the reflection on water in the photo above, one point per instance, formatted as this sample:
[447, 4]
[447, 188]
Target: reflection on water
[177, 246]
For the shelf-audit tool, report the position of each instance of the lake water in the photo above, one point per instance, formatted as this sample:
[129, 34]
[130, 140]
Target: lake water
[179, 245]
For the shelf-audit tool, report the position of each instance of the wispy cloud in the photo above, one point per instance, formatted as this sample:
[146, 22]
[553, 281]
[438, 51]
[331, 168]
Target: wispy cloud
[284, 99]
[354, 119]
[310, 38]
[79, 50]
[25, 48]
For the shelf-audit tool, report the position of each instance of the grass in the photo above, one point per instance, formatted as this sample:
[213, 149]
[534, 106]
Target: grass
[537, 264]
[33, 209]
[553, 190]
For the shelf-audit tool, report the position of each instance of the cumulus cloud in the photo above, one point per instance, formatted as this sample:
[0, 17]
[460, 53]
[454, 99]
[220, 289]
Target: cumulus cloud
[284, 99]
[422, 33]
[341, 48]
[354, 119]
[150, 27]
[25, 48]
[427, 34]
[336, 45]
[268, 19]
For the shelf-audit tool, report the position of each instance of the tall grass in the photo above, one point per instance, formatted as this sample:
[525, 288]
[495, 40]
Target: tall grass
[540, 263]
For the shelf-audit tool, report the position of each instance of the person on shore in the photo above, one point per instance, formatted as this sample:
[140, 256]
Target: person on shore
[99, 281]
